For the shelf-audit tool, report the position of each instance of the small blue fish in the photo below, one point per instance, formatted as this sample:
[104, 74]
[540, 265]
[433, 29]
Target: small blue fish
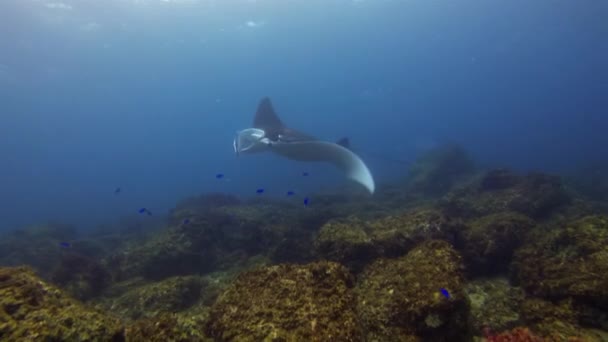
[260, 191]
[305, 173]
[306, 202]
[186, 221]
[445, 293]
[145, 211]
[290, 193]
[219, 176]
[65, 245]
[117, 191]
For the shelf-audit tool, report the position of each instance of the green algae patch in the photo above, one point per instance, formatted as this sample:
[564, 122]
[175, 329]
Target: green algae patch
[401, 298]
[310, 302]
[33, 310]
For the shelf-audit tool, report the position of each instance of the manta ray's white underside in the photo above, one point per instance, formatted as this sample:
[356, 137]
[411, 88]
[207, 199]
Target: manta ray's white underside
[324, 151]
[253, 140]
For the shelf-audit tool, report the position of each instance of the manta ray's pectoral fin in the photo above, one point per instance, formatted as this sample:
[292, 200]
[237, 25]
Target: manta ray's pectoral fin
[267, 119]
[344, 142]
[324, 151]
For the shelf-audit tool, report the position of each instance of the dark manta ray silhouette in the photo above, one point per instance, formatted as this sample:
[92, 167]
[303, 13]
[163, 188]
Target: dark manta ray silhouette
[270, 134]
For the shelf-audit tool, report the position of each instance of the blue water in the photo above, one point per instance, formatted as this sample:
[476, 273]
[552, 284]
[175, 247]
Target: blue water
[147, 94]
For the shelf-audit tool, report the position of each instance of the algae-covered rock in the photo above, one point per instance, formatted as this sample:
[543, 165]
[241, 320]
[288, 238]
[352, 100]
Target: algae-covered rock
[570, 261]
[555, 321]
[404, 297]
[169, 327]
[32, 310]
[535, 195]
[287, 303]
[437, 171]
[345, 241]
[207, 239]
[395, 235]
[81, 276]
[494, 304]
[167, 296]
[37, 246]
[591, 180]
[488, 243]
[355, 242]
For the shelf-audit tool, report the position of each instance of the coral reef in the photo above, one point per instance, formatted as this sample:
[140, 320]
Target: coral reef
[535, 195]
[169, 295]
[487, 243]
[591, 180]
[402, 298]
[211, 237]
[286, 302]
[355, 242]
[403, 265]
[518, 334]
[32, 310]
[169, 327]
[345, 241]
[556, 321]
[494, 304]
[440, 169]
[36, 246]
[81, 276]
[570, 261]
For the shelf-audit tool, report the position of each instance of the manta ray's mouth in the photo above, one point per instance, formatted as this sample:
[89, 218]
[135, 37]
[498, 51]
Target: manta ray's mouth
[250, 140]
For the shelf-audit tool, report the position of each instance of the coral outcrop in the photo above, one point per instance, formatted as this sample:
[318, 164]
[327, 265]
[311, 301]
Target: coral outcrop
[495, 304]
[312, 302]
[33, 310]
[418, 295]
[355, 242]
[536, 195]
[569, 261]
[488, 243]
[439, 170]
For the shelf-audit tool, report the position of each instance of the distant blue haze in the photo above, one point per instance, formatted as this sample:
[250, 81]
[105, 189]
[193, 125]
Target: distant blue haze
[146, 95]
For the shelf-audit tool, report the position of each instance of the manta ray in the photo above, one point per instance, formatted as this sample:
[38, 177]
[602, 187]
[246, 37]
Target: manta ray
[270, 134]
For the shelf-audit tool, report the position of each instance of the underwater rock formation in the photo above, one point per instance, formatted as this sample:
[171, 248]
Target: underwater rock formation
[354, 242]
[287, 302]
[556, 320]
[439, 170]
[171, 295]
[211, 238]
[569, 261]
[81, 276]
[487, 243]
[169, 327]
[535, 195]
[36, 246]
[420, 294]
[345, 241]
[32, 310]
[592, 181]
[494, 304]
